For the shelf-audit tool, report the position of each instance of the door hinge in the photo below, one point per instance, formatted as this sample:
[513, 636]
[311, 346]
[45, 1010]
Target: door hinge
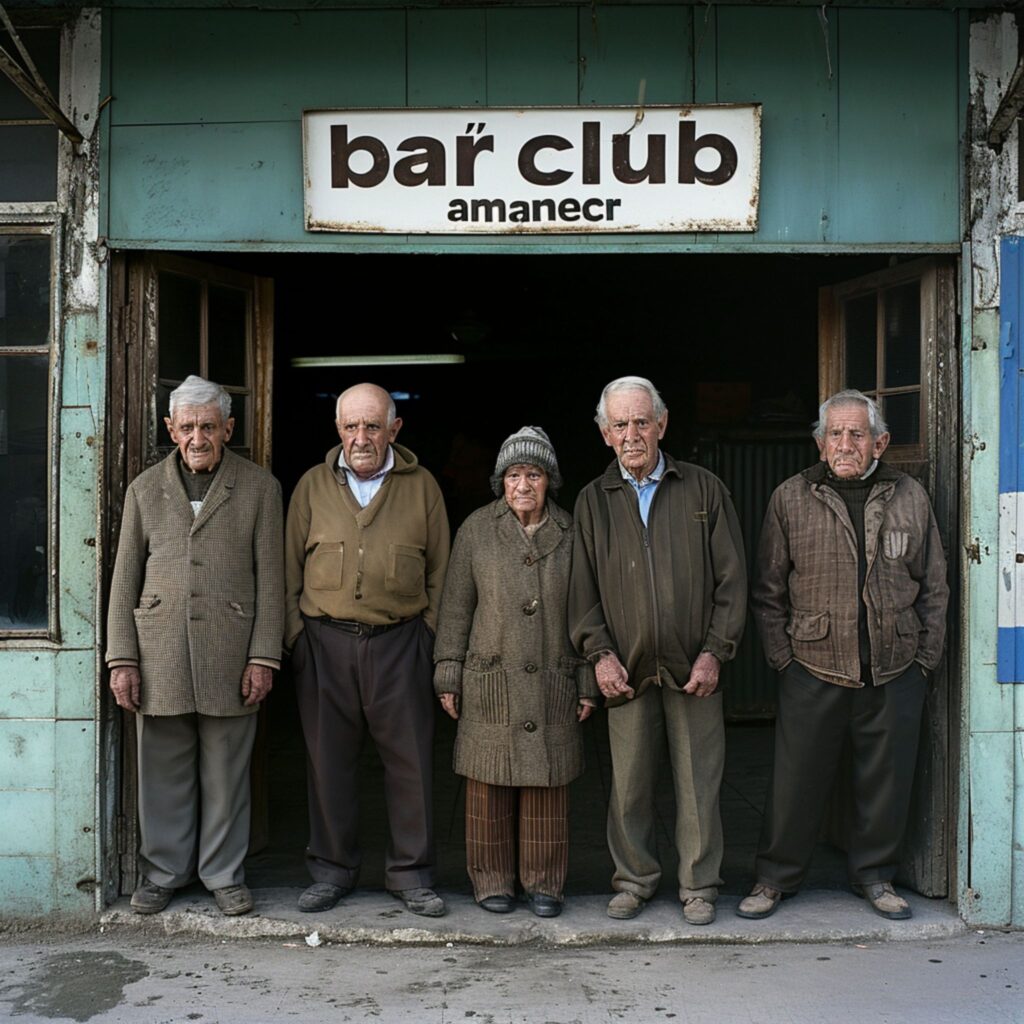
[974, 551]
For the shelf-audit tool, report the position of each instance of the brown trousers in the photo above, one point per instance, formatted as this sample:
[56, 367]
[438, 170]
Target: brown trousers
[348, 686]
[494, 816]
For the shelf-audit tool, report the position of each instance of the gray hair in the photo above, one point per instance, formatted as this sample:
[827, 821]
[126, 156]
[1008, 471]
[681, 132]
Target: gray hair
[851, 396]
[196, 391]
[392, 408]
[629, 384]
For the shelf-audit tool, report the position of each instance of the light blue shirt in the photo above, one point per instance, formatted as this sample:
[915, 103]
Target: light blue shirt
[645, 488]
[364, 490]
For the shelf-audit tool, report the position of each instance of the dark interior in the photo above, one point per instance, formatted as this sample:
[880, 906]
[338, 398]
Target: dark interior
[731, 341]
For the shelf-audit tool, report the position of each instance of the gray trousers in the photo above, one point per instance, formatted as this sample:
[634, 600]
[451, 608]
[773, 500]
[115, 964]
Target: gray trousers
[348, 686]
[695, 732]
[194, 800]
[812, 721]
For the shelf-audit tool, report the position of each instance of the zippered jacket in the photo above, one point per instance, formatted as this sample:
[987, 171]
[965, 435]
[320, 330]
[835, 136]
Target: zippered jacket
[658, 595]
[805, 596]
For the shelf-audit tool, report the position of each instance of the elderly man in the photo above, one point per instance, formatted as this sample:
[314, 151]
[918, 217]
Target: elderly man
[194, 634]
[850, 599]
[657, 603]
[366, 548]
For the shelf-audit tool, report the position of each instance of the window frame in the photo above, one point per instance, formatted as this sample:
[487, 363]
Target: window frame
[833, 352]
[28, 219]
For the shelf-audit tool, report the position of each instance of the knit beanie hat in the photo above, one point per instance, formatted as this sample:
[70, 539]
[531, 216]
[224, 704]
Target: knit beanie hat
[528, 446]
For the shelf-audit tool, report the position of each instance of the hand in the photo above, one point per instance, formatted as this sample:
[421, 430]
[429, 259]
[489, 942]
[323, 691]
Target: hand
[584, 709]
[612, 677]
[450, 702]
[125, 684]
[256, 683]
[703, 679]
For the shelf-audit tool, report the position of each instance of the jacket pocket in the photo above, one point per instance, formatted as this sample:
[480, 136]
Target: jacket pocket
[806, 627]
[484, 695]
[406, 575]
[324, 566]
[559, 699]
[146, 604]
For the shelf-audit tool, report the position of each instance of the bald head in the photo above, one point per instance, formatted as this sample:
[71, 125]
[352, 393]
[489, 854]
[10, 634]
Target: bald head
[367, 424]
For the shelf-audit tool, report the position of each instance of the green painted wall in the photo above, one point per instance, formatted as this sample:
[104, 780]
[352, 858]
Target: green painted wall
[205, 130]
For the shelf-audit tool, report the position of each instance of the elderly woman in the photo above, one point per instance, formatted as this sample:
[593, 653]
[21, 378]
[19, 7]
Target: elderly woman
[505, 668]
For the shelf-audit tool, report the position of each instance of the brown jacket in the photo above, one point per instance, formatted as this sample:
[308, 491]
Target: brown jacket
[375, 565]
[658, 596]
[193, 599]
[503, 644]
[805, 595]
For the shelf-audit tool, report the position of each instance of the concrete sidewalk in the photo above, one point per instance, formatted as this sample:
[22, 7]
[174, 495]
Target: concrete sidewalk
[370, 916]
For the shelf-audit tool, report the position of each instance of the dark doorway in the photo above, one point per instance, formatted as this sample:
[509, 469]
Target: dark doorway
[731, 341]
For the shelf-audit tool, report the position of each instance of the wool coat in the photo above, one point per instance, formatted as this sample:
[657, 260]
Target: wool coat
[195, 598]
[503, 645]
[805, 597]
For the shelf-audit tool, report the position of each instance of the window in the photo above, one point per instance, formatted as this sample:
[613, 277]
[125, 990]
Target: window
[205, 323]
[879, 331]
[26, 260]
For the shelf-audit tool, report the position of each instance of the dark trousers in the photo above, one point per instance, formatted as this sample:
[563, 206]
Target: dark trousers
[496, 816]
[813, 719]
[348, 686]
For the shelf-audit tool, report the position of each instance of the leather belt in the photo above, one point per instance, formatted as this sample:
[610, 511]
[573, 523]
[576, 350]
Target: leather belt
[358, 628]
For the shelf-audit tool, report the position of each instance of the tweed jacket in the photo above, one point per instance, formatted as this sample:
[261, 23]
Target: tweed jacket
[805, 597]
[503, 644]
[377, 565]
[657, 595]
[194, 599]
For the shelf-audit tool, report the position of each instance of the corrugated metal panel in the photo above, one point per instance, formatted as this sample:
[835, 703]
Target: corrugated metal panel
[752, 469]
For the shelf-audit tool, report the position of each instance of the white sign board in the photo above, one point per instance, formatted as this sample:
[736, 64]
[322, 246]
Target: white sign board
[534, 171]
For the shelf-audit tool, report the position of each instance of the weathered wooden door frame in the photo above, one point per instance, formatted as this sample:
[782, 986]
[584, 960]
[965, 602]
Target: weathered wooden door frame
[929, 861]
[134, 435]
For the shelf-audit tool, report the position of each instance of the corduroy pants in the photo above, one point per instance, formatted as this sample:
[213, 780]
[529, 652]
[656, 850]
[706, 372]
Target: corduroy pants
[348, 686]
[498, 818]
[695, 731]
[194, 798]
[812, 720]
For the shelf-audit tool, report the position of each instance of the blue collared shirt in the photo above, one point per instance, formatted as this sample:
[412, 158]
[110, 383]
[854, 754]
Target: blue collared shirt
[364, 490]
[645, 488]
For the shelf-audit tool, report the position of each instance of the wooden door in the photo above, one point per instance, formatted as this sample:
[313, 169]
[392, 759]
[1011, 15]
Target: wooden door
[893, 336]
[170, 317]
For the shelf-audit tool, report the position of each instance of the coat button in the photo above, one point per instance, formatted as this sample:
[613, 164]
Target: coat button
[527, 560]
[530, 667]
[531, 608]
[529, 727]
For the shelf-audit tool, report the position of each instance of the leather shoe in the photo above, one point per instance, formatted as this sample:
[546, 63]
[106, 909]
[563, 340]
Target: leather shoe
[500, 904]
[884, 900]
[697, 910]
[422, 901]
[233, 900]
[150, 898]
[624, 905]
[542, 905]
[762, 902]
[322, 896]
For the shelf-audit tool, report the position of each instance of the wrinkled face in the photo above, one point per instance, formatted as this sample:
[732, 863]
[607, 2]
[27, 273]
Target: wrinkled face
[526, 490]
[363, 428]
[633, 431]
[848, 447]
[200, 433]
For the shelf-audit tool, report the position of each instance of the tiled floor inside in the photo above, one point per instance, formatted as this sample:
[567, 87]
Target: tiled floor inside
[748, 758]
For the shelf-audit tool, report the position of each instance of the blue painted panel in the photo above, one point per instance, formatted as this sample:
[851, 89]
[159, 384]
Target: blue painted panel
[76, 684]
[27, 754]
[780, 57]
[899, 149]
[28, 689]
[28, 822]
[532, 57]
[180, 67]
[207, 183]
[75, 838]
[1010, 657]
[447, 59]
[79, 463]
[26, 887]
